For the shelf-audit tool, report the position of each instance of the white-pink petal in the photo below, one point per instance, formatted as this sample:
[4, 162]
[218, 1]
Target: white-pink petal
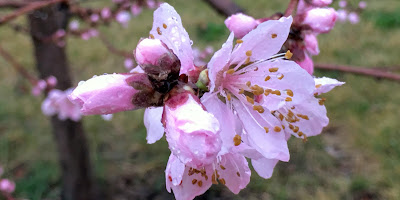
[234, 169]
[264, 166]
[324, 84]
[152, 122]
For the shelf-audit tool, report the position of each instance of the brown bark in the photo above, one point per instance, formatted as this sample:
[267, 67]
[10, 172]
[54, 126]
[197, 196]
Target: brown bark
[225, 7]
[69, 135]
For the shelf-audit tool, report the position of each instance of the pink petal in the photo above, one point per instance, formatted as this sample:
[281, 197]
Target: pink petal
[174, 172]
[272, 144]
[219, 61]
[321, 20]
[193, 184]
[152, 122]
[264, 41]
[311, 44]
[167, 27]
[234, 169]
[307, 64]
[264, 167]
[105, 94]
[192, 133]
[324, 85]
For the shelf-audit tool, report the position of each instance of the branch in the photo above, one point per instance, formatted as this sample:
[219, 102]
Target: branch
[291, 7]
[112, 49]
[17, 66]
[377, 73]
[12, 4]
[28, 8]
[225, 7]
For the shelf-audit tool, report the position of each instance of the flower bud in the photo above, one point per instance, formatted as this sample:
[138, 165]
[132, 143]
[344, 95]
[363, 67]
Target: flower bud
[112, 93]
[192, 133]
[353, 18]
[307, 64]
[321, 20]
[321, 3]
[311, 44]
[240, 24]
[7, 186]
[156, 59]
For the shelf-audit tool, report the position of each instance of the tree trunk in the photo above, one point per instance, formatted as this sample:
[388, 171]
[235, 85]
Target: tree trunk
[69, 135]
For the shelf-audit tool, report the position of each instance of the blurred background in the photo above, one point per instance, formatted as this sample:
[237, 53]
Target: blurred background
[356, 157]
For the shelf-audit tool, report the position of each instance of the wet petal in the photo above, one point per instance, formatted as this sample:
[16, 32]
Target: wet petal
[152, 122]
[174, 172]
[234, 169]
[324, 84]
[167, 27]
[264, 167]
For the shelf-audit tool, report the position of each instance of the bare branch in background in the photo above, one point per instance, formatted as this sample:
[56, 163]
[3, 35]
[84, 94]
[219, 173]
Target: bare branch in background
[225, 7]
[291, 7]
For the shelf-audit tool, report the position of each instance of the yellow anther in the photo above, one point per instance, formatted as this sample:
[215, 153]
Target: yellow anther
[283, 127]
[317, 86]
[239, 41]
[151, 36]
[293, 107]
[273, 69]
[322, 101]
[222, 181]
[288, 99]
[228, 96]
[300, 134]
[259, 109]
[159, 31]
[248, 83]
[248, 53]
[266, 129]
[274, 35]
[305, 138]
[256, 69]
[213, 179]
[276, 92]
[238, 174]
[250, 100]
[267, 78]
[289, 92]
[206, 177]
[288, 55]
[237, 140]
[194, 181]
[281, 116]
[291, 126]
[281, 77]
[222, 167]
[230, 71]
[290, 114]
[296, 129]
[200, 183]
[165, 26]
[257, 90]
[277, 129]
[241, 91]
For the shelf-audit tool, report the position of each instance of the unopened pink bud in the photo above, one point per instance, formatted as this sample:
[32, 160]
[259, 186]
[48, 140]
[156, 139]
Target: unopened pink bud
[151, 4]
[7, 186]
[342, 4]
[155, 58]
[321, 3]
[136, 9]
[94, 17]
[128, 63]
[105, 13]
[240, 24]
[74, 25]
[341, 15]
[321, 20]
[311, 44]
[362, 4]
[51, 81]
[123, 18]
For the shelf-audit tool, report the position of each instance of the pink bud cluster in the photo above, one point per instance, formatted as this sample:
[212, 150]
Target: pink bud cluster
[349, 12]
[7, 186]
[42, 85]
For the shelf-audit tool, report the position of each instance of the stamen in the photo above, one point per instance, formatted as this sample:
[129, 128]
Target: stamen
[277, 129]
[213, 179]
[248, 83]
[230, 71]
[222, 181]
[237, 140]
[289, 92]
[194, 181]
[228, 96]
[259, 108]
[300, 134]
[276, 92]
[222, 167]
[281, 117]
[241, 91]
[266, 129]
[274, 69]
[274, 35]
[250, 100]
[317, 86]
[239, 41]
[248, 53]
[200, 183]
[257, 90]
[281, 77]
[283, 127]
[238, 174]
[256, 69]
[267, 78]
[151, 36]
[296, 129]
[165, 26]
[322, 101]
[159, 31]
[247, 60]
[288, 54]
[288, 99]
[291, 126]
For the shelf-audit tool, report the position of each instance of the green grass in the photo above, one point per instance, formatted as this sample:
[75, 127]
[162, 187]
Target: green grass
[357, 156]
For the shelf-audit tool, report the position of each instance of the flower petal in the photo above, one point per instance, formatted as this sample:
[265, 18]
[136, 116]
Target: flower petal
[167, 27]
[324, 84]
[152, 122]
[174, 172]
[264, 41]
[234, 169]
[264, 167]
[272, 144]
[219, 60]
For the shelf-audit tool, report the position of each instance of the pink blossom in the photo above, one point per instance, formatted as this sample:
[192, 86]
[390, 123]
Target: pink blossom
[123, 18]
[110, 93]
[74, 25]
[51, 81]
[240, 24]
[39, 87]
[342, 15]
[353, 18]
[311, 44]
[321, 3]
[136, 9]
[151, 4]
[321, 20]
[150, 51]
[362, 4]
[7, 186]
[128, 63]
[57, 103]
[342, 3]
[192, 138]
[106, 13]
[94, 17]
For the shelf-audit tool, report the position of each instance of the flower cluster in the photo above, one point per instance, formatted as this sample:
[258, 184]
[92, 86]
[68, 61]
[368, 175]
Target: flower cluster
[57, 103]
[348, 12]
[42, 85]
[313, 17]
[7, 186]
[245, 103]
